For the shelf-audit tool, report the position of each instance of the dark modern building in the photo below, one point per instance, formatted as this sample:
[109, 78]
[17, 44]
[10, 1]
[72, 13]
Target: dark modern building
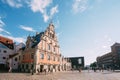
[77, 62]
[111, 59]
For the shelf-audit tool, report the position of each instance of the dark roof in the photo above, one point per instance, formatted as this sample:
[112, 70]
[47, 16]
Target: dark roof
[75, 57]
[116, 44]
[23, 48]
[9, 45]
[13, 55]
[36, 39]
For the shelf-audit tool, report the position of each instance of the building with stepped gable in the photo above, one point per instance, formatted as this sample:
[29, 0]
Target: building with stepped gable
[42, 52]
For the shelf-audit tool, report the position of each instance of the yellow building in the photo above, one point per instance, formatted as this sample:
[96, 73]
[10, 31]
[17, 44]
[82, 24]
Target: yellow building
[42, 52]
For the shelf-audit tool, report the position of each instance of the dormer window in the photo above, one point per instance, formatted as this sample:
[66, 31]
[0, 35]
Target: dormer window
[7, 42]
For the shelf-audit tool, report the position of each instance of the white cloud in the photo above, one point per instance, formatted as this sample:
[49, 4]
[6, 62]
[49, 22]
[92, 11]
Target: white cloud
[42, 7]
[2, 30]
[53, 10]
[26, 28]
[14, 3]
[79, 5]
[36, 6]
[1, 23]
[18, 39]
[15, 39]
[46, 17]
[105, 46]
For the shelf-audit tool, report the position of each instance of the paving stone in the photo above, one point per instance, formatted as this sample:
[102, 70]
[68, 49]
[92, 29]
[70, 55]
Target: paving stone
[69, 75]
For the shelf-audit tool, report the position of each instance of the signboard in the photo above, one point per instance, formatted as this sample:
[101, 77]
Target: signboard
[79, 61]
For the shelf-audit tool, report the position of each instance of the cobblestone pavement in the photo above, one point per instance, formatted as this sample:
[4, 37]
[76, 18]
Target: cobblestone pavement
[75, 75]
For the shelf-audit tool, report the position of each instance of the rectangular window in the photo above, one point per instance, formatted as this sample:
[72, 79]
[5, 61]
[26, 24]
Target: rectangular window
[48, 57]
[5, 51]
[23, 57]
[32, 56]
[16, 59]
[42, 56]
[54, 49]
[4, 57]
[58, 59]
[48, 47]
[19, 57]
[54, 59]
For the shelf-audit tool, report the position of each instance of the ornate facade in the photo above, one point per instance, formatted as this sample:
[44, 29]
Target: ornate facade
[42, 52]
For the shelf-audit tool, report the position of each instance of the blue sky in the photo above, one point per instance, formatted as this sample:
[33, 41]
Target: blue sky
[84, 27]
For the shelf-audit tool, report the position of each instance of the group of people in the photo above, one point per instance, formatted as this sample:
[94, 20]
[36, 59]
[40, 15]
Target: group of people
[95, 69]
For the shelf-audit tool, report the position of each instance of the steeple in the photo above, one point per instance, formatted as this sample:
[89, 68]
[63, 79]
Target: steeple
[51, 26]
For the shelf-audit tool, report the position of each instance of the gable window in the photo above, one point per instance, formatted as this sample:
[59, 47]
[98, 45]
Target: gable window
[42, 56]
[48, 46]
[48, 57]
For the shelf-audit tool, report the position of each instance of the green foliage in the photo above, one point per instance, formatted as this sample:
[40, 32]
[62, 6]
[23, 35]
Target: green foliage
[94, 64]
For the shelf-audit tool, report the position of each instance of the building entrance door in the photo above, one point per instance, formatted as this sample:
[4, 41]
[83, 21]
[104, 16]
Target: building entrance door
[41, 68]
[3, 67]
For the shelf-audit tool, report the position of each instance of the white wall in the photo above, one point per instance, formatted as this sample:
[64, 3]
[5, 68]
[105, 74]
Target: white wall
[6, 55]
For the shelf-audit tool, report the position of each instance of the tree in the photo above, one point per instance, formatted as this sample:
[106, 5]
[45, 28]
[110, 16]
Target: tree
[94, 64]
